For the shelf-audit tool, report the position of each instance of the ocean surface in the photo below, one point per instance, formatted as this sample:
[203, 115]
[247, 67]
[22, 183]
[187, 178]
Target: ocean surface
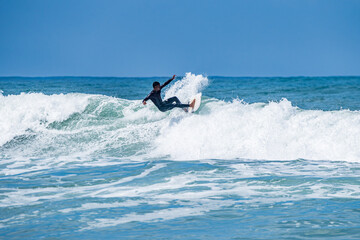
[263, 158]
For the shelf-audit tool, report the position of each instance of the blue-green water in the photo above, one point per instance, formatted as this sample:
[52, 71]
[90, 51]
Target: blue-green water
[263, 158]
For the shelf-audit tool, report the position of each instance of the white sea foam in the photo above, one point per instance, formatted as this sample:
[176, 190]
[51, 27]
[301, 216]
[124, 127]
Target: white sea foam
[274, 131]
[91, 206]
[192, 193]
[112, 127]
[187, 87]
[33, 196]
[34, 111]
[160, 215]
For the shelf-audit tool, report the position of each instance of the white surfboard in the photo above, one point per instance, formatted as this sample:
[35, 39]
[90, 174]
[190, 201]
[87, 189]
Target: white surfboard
[197, 98]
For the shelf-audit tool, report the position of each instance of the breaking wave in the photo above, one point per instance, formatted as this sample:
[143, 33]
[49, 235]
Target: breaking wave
[84, 125]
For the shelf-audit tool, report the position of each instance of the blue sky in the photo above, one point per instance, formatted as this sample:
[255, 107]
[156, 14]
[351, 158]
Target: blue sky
[162, 37]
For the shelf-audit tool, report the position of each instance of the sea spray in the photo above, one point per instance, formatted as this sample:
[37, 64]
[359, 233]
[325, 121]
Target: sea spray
[187, 87]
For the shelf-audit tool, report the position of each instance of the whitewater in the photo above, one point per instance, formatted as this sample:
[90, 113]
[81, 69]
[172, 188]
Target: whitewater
[280, 155]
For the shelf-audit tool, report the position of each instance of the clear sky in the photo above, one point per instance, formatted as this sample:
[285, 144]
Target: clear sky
[162, 37]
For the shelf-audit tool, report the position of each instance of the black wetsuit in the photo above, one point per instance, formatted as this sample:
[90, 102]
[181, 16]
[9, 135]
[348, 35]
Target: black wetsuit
[168, 104]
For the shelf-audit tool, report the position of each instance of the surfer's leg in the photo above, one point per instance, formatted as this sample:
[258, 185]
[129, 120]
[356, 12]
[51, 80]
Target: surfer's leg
[176, 100]
[172, 100]
[181, 105]
[168, 104]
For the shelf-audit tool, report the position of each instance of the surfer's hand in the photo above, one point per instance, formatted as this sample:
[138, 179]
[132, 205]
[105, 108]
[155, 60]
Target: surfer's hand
[144, 102]
[173, 77]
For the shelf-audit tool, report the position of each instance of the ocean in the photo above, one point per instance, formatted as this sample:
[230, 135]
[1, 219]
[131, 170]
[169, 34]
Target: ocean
[262, 158]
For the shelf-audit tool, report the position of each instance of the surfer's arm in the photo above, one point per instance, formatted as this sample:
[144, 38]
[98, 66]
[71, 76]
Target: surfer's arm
[167, 82]
[147, 98]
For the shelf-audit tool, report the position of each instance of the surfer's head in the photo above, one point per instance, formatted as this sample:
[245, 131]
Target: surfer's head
[156, 86]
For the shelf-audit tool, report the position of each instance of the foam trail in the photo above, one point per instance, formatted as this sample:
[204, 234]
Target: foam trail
[160, 215]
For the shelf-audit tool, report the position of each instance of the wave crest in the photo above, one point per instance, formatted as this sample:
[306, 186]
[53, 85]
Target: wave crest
[34, 111]
[96, 126]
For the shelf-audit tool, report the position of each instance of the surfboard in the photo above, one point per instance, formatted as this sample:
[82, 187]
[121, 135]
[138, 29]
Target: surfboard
[197, 98]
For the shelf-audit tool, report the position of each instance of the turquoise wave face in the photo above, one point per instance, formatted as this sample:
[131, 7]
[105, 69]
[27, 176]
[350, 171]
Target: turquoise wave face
[82, 158]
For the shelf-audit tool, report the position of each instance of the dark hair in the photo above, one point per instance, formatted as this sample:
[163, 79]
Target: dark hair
[155, 84]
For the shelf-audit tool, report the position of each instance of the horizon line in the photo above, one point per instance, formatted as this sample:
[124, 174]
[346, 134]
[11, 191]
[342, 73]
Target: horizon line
[224, 76]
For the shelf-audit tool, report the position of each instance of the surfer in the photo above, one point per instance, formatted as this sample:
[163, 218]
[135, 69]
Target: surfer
[168, 104]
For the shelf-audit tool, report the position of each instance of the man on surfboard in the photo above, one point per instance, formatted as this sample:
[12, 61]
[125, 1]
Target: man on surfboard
[168, 104]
